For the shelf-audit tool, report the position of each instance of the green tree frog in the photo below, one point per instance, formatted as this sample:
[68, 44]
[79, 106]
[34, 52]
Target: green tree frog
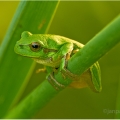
[53, 51]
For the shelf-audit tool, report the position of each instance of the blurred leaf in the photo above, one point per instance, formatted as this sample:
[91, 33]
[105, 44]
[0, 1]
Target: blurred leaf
[30, 16]
[7, 9]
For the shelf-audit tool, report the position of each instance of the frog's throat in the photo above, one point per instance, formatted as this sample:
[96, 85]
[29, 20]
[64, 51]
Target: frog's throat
[47, 62]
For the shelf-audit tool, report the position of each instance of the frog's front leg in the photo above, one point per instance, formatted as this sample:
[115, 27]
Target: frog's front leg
[62, 56]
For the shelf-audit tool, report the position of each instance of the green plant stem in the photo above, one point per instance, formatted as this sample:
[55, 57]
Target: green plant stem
[96, 47]
[34, 102]
[15, 70]
[90, 53]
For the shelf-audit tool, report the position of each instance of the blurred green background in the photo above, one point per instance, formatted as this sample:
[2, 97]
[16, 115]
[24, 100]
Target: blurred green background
[78, 20]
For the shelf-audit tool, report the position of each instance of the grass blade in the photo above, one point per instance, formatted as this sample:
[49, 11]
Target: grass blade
[34, 17]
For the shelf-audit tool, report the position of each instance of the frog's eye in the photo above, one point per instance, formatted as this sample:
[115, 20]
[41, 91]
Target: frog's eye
[35, 46]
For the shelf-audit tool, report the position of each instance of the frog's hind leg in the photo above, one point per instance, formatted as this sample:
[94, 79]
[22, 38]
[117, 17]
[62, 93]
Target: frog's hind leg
[77, 82]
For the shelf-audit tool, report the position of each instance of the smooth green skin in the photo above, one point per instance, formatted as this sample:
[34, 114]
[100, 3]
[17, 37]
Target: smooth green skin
[53, 54]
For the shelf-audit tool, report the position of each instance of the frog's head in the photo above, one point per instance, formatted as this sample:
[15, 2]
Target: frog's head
[31, 45]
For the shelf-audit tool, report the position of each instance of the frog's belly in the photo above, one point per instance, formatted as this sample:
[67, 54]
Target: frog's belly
[48, 62]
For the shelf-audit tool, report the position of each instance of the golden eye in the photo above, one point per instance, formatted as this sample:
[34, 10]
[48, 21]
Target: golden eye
[35, 46]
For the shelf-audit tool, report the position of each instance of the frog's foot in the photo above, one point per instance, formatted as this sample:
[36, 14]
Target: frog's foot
[58, 86]
[41, 70]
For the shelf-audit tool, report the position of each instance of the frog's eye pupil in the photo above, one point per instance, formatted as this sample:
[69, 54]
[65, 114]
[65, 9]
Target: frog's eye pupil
[35, 46]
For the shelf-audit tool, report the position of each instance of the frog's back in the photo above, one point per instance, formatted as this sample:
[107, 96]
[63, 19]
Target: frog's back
[57, 41]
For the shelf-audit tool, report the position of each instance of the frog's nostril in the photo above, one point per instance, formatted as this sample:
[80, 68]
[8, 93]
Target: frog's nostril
[21, 46]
